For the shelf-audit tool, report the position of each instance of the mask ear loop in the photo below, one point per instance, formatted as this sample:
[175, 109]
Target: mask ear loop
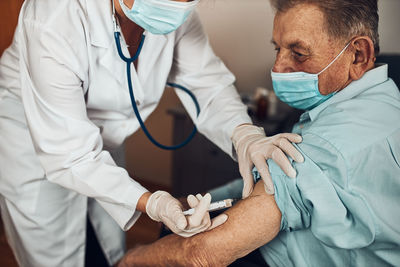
[333, 61]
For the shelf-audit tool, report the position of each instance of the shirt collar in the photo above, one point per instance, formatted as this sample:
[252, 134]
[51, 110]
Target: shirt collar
[373, 77]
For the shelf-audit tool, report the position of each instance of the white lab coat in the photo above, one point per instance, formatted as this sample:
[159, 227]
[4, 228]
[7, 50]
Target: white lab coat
[64, 104]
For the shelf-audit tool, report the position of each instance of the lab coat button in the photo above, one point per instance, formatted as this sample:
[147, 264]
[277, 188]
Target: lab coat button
[137, 103]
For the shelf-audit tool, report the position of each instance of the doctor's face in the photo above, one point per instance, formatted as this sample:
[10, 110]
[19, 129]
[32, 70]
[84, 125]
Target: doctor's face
[302, 44]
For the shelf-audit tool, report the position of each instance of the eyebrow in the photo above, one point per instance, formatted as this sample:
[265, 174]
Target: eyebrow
[296, 44]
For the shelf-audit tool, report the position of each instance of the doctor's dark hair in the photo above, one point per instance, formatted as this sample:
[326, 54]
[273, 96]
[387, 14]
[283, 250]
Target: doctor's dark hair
[344, 18]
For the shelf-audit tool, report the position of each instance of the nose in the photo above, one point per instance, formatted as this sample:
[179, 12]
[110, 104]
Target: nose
[283, 62]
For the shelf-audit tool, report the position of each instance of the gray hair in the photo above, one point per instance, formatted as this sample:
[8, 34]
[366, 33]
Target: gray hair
[344, 18]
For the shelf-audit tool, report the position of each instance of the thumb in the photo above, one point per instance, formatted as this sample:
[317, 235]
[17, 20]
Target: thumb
[217, 221]
[248, 184]
[192, 201]
[200, 211]
[178, 217]
[180, 220]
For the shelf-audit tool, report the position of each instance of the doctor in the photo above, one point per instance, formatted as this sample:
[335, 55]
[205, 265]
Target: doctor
[64, 106]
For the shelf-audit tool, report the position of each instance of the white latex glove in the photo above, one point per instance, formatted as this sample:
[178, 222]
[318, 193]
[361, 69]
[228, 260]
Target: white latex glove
[162, 207]
[253, 148]
[200, 220]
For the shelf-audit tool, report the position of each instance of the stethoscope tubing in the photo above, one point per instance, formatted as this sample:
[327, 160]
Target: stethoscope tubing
[128, 62]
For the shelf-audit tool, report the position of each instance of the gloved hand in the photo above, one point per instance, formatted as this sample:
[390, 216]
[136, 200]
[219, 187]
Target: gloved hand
[254, 148]
[162, 207]
[201, 216]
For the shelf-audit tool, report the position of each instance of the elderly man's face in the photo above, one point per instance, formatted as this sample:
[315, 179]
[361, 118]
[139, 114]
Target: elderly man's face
[302, 44]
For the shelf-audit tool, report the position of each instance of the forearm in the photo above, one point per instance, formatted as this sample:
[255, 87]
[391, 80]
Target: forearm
[173, 251]
[168, 251]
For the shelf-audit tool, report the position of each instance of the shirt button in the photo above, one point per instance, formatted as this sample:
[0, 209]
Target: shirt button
[301, 126]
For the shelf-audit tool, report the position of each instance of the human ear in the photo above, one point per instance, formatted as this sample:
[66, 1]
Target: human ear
[363, 56]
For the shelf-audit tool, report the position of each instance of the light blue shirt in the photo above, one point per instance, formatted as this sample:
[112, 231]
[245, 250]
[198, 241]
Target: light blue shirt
[343, 208]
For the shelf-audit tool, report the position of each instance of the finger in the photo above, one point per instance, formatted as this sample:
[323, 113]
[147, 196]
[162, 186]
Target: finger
[280, 158]
[180, 221]
[268, 183]
[290, 150]
[200, 211]
[172, 226]
[295, 138]
[192, 201]
[199, 197]
[205, 224]
[217, 221]
[248, 182]
[263, 170]
[195, 230]
[176, 215]
[185, 234]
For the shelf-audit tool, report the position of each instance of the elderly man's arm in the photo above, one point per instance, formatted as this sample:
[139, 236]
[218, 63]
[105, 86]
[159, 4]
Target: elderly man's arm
[252, 223]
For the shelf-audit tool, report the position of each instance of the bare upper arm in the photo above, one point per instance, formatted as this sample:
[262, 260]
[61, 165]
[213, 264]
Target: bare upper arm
[252, 223]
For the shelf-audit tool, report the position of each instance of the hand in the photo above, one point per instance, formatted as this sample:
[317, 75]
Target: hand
[254, 148]
[200, 220]
[162, 207]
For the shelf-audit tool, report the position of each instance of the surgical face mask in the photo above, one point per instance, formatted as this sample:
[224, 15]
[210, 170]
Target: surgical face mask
[159, 16]
[300, 89]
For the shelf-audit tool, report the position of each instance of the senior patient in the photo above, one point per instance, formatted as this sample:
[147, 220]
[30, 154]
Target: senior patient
[343, 208]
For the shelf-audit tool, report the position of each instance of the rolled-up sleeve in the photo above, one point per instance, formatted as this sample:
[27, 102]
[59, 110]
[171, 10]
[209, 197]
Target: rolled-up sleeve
[321, 198]
[68, 144]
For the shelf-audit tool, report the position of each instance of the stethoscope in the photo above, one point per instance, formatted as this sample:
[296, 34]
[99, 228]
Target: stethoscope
[129, 61]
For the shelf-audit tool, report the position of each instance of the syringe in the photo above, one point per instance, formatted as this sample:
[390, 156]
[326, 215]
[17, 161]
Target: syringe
[219, 205]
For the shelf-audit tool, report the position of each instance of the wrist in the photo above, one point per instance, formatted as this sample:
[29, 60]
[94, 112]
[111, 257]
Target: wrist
[152, 208]
[141, 205]
[243, 131]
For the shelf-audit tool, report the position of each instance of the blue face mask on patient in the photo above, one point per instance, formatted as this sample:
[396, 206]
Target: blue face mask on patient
[159, 16]
[300, 89]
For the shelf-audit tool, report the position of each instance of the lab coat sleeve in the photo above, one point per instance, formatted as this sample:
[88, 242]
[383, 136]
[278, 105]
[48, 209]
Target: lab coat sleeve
[68, 144]
[320, 197]
[196, 67]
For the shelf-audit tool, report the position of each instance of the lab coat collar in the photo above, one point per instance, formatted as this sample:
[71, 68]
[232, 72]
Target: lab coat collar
[377, 75]
[100, 22]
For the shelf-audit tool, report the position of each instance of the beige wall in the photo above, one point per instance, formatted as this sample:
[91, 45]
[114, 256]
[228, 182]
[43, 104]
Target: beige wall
[240, 33]
[389, 25]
